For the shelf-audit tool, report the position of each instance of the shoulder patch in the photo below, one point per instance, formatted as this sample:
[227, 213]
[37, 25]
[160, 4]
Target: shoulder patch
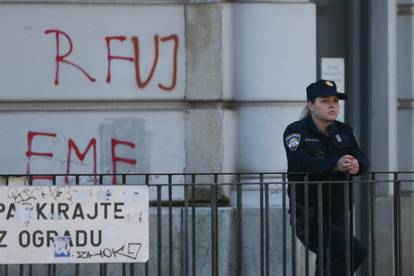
[292, 141]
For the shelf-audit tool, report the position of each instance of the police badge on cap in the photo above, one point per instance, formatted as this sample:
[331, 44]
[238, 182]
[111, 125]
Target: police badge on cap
[292, 141]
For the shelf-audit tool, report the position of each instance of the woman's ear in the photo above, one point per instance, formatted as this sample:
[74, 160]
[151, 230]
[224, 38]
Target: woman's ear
[310, 106]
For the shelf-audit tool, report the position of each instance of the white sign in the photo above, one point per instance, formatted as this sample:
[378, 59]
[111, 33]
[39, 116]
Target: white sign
[89, 52]
[74, 224]
[334, 69]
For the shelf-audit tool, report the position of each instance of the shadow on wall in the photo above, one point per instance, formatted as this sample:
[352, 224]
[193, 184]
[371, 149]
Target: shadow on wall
[121, 131]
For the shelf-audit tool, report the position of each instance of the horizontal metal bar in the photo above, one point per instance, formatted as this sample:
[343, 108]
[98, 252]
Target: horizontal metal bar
[265, 174]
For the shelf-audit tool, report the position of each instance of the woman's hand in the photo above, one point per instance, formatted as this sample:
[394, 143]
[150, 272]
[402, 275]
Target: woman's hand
[347, 163]
[354, 168]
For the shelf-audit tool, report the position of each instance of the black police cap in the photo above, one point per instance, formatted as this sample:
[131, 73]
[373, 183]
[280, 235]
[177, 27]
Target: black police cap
[323, 88]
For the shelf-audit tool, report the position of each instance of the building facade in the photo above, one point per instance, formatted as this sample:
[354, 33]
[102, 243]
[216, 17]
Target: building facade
[144, 86]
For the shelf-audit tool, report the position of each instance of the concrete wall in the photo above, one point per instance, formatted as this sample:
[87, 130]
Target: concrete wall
[272, 70]
[405, 85]
[228, 79]
[78, 78]
[384, 89]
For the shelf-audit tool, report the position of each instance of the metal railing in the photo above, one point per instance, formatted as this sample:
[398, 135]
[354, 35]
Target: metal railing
[208, 224]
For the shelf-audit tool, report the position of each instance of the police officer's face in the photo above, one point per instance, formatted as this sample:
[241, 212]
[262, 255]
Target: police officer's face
[325, 109]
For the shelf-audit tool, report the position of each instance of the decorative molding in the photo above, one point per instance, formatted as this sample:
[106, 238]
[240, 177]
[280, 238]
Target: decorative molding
[405, 9]
[144, 105]
[405, 104]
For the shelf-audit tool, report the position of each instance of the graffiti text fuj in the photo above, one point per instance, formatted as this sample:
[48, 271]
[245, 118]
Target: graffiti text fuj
[62, 57]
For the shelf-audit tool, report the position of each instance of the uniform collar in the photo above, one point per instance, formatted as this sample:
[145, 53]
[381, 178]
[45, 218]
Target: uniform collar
[311, 124]
[333, 129]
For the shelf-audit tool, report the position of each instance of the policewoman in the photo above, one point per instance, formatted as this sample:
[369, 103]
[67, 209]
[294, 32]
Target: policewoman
[327, 149]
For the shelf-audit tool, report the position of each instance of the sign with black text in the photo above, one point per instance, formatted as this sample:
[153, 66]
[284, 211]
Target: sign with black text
[74, 224]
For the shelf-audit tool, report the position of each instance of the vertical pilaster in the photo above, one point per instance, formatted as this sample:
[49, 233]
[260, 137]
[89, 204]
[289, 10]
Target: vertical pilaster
[383, 122]
[405, 85]
[384, 88]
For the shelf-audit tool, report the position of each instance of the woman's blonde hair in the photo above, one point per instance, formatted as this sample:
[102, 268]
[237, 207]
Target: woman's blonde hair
[305, 112]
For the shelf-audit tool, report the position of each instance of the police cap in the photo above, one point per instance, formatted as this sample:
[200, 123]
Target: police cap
[323, 88]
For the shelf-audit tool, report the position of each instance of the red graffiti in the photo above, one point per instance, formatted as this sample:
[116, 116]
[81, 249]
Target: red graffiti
[29, 153]
[73, 147]
[111, 57]
[81, 156]
[141, 81]
[61, 58]
[174, 71]
[116, 159]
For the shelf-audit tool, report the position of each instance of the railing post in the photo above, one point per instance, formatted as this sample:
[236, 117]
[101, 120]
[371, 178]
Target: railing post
[123, 181]
[214, 228]
[262, 257]
[320, 230]
[159, 230]
[284, 222]
[193, 225]
[103, 268]
[293, 220]
[170, 226]
[266, 236]
[373, 193]
[329, 222]
[77, 267]
[185, 221]
[21, 267]
[347, 228]
[306, 194]
[239, 238]
[147, 178]
[371, 225]
[397, 225]
[351, 222]
[51, 268]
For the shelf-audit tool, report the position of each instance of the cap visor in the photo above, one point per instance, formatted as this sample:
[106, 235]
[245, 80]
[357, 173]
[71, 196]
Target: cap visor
[342, 96]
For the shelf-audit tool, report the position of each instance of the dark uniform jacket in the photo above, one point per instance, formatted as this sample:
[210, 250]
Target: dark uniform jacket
[309, 150]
